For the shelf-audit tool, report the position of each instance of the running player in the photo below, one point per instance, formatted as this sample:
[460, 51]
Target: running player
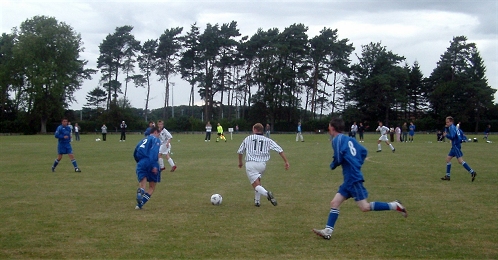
[383, 137]
[257, 148]
[146, 155]
[351, 155]
[455, 137]
[221, 136]
[63, 134]
[165, 149]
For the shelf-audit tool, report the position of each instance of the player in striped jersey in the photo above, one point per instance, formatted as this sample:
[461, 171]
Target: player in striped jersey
[165, 137]
[350, 155]
[383, 137]
[257, 149]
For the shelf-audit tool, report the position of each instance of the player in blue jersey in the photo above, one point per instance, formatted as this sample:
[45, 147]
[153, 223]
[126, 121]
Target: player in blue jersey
[147, 131]
[63, 134]
[351, 155]
[411, 131]
[455, 136]
[486, 132]
[146, 155]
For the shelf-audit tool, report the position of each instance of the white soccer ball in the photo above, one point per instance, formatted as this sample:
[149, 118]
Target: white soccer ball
[98, 139]
[216, 199]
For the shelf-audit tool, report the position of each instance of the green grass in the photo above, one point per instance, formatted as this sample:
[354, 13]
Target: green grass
[91, 214]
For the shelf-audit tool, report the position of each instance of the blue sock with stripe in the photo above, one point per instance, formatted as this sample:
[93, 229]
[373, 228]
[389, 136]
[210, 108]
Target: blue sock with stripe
[56, 162]
[378, 206]
[467, 167]
[333, 215]
[448, 169]
[146, 198]
[74, 163]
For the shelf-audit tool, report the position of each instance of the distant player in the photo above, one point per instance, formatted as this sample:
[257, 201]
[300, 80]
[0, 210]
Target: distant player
[165, 149]
[221, 136]
[455, 137]
[257, 149]
[383, 137]
[486, 132]
[299, 133]
[411, 131]
[147, 131]
[63, 134]
[146, 155]
[351, 155]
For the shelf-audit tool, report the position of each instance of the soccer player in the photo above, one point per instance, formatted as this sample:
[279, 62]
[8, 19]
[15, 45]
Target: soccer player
[361, 131]
[455, 137]
[404, 130]
[221, 136]
[383, 137]
[299, 134]
[354, 129]
[123, 127]
[165, 149]
[147, 131]
[411, 131]
[63, 134]
[146, 155]
[351, 155]
[486, 132]
[104, 132]
[257, 149]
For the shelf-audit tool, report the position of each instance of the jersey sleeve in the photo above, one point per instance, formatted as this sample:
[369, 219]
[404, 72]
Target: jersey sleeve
[242, 147]
[275, 147]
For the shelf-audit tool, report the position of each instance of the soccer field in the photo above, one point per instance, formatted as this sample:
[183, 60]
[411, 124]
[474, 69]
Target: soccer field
[91, 214]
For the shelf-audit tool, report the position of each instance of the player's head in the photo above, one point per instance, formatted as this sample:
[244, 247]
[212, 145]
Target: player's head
[160, 124]
[257, 128]
[64, 121]
[336, 125]
[449, 121]
[380, 123]
[155, 131]
[151, 123]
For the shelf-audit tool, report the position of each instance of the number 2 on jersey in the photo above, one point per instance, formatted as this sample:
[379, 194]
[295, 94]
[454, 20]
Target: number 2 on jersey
[143, 143]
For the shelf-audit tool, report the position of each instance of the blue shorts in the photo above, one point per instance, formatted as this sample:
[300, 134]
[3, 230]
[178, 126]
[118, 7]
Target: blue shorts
[455, 152]
[144, 170]
[353, 190]
[64, 148]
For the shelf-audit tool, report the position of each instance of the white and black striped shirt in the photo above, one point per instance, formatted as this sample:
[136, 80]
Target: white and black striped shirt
[257, 148]
[164, 136]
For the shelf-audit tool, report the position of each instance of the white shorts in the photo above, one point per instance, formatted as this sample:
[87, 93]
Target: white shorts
[164, 150]
[383, 138]
[254, 170]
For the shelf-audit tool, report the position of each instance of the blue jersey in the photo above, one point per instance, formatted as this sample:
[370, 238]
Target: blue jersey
[412, 129]
[351, 155]
[147, 150]
[455, 135]
[147, 131]
[61, 132]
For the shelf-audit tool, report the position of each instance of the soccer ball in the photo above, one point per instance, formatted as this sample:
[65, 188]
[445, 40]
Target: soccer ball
[97, 140]
[216, 199]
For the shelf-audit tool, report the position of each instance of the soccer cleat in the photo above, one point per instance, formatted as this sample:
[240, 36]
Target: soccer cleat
[401, 208]
[138, 206]
[140, 196]
[163, 168]
[394, 150]
[473, 174]
[257, 204]
[325, 233]
[447, 178]
[173, 168]
[272, 199]
[53, 169]
[77, 170]
[379, 151]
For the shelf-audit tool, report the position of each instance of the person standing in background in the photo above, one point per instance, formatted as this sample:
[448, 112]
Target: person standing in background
[104, 132]
[411, 132]
[267, 130]
[404, 131]
[77, 131]
[123, 127]
[209, 129]
[299, 134]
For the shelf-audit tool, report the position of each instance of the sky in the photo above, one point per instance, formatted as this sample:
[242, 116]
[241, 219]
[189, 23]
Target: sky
[419, 30]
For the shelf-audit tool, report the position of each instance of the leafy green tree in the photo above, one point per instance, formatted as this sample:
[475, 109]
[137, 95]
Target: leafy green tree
[9, 73]
[189, 61]
[376, 82]
[96, 99]
[48, 52]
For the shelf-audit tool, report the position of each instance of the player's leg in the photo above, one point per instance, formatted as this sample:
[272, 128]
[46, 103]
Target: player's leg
[390, 146]
[333, 216]
[379, 148]
[467, 167]
[73, 161]
[448, 167]
[171, 162]
[141, 172]
[360, 195]
[56, 162]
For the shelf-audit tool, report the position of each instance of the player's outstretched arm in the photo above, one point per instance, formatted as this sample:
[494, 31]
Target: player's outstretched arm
[282, 154]
[240, 161]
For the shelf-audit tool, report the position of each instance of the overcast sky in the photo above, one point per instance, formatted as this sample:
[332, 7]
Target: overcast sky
[419, 30]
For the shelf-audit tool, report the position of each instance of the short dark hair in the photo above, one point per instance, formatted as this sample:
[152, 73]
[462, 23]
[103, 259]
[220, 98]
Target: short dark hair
[337, 124]
[154, 129]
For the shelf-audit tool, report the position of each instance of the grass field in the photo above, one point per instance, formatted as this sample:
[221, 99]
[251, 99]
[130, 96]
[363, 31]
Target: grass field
[91, 214]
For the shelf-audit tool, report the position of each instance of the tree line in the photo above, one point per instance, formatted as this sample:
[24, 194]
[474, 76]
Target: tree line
[276, 77]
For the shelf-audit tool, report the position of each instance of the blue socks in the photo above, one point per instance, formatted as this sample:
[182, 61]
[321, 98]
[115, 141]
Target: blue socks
[145, 198]
[333, 215]
[378, 206]
[448, 169]
[56, 162]
[467, 167]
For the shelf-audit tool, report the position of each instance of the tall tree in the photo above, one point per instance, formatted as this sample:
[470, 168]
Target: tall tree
[168, 53]
[10, 75]
[147, 62]
[49, 52]
[115, 49]
[190, 59]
